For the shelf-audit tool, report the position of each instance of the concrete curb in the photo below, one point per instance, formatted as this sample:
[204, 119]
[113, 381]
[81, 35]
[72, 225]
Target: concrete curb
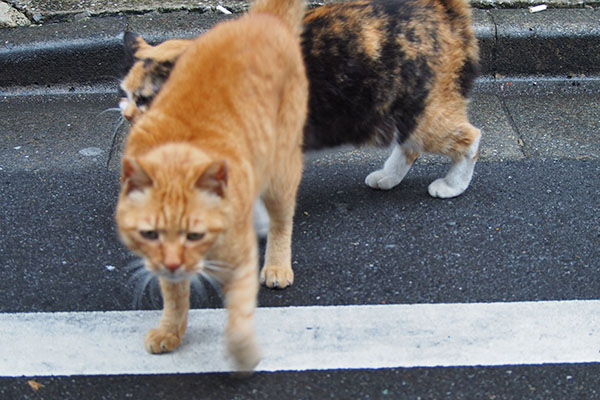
[10, 17]
[88, 51]
[45, 11]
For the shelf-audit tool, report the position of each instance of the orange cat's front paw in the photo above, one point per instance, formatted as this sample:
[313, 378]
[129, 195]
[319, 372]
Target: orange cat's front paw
[245, 352]
[277, 277]
[161, 341]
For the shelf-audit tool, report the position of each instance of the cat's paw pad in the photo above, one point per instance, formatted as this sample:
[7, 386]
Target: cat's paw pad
[161, 341]
[276, 277]
[382, 180]
[439, 188]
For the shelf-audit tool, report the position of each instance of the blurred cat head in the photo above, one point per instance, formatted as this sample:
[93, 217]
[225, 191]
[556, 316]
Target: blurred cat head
[173, 209]
[149, 68]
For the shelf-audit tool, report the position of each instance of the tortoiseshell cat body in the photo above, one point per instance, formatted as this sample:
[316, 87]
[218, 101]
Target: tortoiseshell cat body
[226, 129]
[382, 72]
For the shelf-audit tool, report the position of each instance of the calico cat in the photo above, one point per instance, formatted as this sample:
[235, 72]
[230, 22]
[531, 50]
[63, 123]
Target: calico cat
[225, 129]
[382, 72]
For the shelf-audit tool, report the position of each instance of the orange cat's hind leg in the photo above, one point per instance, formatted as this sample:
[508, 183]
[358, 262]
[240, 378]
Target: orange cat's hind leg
[280, 201]
[463, 148]
[394, 170]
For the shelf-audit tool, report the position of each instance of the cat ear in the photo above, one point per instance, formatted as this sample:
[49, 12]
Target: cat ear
[133, 176]
[214, 178]
[132, 43]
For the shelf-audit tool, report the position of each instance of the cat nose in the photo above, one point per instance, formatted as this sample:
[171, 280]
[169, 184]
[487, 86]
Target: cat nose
[172, 259]
[172, 266]
[128, 113]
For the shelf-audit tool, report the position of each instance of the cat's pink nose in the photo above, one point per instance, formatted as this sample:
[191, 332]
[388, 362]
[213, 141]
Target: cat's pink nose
[172, 266]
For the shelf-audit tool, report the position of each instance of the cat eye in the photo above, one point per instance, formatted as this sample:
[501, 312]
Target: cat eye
[149, 235]
[194, 236]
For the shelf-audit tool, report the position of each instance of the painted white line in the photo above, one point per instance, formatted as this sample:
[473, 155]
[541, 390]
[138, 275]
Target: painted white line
[309, 338]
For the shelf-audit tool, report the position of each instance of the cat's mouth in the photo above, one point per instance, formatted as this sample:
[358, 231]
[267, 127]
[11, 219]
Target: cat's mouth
[175, 276]
[128, 109]
[212, 271]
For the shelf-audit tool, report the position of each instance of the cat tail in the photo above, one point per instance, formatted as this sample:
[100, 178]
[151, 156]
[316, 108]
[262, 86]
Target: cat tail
[462, 23]
[291, 12]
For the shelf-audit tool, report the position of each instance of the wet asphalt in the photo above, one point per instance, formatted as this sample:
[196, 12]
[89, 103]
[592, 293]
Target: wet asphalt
[527, 229]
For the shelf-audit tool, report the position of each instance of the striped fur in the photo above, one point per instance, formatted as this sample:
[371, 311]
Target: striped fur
[226, 129]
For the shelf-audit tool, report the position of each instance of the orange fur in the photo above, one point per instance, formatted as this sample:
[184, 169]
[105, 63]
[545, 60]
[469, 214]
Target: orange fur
[288, 11]
[225, 129]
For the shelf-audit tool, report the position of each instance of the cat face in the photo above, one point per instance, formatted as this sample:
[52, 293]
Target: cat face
[150, 67]
[173, 213]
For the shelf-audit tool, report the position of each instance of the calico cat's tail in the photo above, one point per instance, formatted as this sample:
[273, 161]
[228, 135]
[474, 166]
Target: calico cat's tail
[289, 11]
[462, 24]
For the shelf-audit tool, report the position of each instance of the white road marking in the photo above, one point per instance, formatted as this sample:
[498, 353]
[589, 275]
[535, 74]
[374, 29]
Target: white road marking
[309, 338]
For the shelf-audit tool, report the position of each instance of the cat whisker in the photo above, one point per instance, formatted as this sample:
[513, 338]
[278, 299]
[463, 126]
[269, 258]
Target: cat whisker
[217, 266]
[141, 272]
[112, 78]
[212, 274]
[111, 109]
[113, 141]
[212, 280]
[198, 286]
[134, 264]
[199, 282]
[219, 262]
[142, 277]
[214, 270]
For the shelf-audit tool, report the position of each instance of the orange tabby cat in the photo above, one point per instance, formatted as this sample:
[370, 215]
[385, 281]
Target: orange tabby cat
[225, 129]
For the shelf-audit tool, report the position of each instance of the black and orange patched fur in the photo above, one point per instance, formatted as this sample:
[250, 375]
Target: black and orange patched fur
[382, 72]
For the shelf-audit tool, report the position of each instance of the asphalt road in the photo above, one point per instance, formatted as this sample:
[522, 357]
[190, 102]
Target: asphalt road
[527, 229]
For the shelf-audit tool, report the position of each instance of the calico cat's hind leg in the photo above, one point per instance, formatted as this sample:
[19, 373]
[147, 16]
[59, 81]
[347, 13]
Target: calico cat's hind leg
[464, 151]
[261, 219]
[394, 170]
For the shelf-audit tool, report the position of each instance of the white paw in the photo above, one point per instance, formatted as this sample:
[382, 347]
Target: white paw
[440, 188]
[262, 228]
[382, 180]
